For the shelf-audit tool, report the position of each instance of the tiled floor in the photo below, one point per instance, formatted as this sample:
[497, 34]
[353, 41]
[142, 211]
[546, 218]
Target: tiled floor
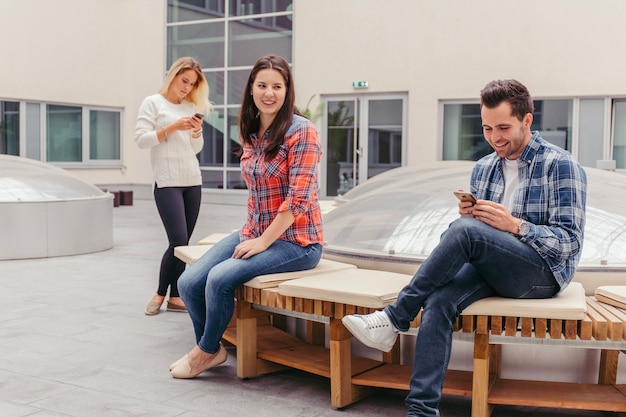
[74, 341]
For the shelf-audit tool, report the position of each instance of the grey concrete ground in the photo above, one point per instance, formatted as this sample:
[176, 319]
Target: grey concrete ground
[74, 341]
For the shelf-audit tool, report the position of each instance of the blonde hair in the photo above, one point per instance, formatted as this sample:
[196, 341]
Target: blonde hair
[199, 94]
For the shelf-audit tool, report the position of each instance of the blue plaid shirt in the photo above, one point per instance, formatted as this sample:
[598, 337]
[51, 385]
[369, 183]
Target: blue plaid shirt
[551, 196]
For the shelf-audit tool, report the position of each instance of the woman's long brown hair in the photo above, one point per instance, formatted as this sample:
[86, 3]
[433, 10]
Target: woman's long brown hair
[249, 121]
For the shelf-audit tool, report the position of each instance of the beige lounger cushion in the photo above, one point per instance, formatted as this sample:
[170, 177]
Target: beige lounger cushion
[568, 305]
[190, 254]
[359, 287]
[272, 280]
[213, 238]
[612, 294]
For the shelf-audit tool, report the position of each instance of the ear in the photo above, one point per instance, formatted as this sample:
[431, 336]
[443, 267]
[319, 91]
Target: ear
[528, 120]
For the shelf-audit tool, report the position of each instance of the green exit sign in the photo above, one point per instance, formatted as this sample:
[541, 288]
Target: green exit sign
[359, 84]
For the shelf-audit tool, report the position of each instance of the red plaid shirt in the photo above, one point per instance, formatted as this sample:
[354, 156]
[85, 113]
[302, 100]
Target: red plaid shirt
[287, 182]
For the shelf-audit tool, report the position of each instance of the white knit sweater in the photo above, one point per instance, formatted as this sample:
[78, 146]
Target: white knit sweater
[174, 161]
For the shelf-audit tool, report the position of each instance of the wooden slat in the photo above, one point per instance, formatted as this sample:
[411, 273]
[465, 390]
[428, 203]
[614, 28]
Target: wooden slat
[599, 325]
[541, 328]
[527, 327]
[469, 324]
[556, 328]
[510, 326]
[585, 328]
[615, 325]
[496, 325]
[557, 394]
[571, 329]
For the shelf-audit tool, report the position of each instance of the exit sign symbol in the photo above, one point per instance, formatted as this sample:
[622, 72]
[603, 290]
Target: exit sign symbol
[359, 84]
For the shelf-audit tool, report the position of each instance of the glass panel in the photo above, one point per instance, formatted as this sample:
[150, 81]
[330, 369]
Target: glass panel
[203, 41]
[619, 133]
[33, 131]
[384, 136]
[236, 85]
[233, 142]
[248, 7]
[463, 133]
[553, 120]
[212, 153]
[104, 135]
[186, 10]
[235, 182]
[339, 155]
[10, 128]
[64, 127]
[591, 131]
[216, 86]
[212, 179]
[250, 40]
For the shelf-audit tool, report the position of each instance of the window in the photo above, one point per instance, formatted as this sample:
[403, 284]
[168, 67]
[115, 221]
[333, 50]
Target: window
[67, 134]
[9, 128]
[63, 133]
[463, 133]
[600, 132]
[226, 37]
[619, 133]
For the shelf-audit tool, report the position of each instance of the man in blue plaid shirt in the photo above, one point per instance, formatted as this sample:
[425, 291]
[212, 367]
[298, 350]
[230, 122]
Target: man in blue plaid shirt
[521, 238]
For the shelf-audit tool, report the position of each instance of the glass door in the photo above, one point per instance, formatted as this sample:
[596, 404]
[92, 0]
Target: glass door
[365, 135]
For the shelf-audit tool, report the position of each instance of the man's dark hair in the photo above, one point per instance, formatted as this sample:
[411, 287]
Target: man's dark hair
[511, 91]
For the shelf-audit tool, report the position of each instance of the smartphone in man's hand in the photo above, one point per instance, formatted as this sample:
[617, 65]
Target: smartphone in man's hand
[464, 196]
[199, 116]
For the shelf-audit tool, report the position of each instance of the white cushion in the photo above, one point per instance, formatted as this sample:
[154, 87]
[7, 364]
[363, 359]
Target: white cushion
[190, 254]
[568, 305]
[359, 287]
[612, 294]
[213, 238]
[272, 280]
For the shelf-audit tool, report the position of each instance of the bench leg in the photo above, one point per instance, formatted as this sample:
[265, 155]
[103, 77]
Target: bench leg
[246, 340]
[486, 365]
[607, 374]
[340, 365]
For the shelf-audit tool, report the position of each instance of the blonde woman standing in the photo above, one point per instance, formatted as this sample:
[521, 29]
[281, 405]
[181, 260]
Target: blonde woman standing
[169, 124]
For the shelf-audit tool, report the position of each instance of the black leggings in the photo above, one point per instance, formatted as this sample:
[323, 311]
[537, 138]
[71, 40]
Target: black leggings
[178, 208]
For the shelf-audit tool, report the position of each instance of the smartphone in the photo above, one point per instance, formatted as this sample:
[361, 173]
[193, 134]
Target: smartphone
[199, 116]
[463, 196]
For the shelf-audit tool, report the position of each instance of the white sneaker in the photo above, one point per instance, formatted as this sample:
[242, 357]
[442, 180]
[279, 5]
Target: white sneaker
[374, 330]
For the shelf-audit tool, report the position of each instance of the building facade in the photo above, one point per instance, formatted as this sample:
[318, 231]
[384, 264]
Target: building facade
[387, 83]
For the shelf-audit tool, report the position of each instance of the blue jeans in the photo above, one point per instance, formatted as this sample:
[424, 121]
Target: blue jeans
[207, 287]
[471, 261]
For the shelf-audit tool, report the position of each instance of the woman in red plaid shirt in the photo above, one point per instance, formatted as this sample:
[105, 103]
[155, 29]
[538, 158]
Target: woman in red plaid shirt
[280, 153]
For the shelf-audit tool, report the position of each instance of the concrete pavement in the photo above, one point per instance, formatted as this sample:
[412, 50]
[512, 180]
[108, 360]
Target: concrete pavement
[74, 341]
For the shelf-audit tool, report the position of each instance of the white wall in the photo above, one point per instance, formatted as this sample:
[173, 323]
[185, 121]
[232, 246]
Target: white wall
[112, 53]
[450, 49]
[86, 52]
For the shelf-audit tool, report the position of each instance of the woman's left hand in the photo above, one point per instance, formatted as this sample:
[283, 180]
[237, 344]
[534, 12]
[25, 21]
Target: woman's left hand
[249, 248]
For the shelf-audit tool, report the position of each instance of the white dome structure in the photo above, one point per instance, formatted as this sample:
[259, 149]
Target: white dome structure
[45, 212]
[394, 220]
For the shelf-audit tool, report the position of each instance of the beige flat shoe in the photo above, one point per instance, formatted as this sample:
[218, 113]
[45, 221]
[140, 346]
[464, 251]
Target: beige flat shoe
[176, 308]
[182, 369]
[153, 308]
[181, 360]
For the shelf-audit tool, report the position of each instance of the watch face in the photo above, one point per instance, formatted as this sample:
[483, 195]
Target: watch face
[524, 228]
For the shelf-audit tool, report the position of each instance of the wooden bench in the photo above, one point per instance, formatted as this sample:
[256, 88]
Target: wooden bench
[599, 327]
[264, 346]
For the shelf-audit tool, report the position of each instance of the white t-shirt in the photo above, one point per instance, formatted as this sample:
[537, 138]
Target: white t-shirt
[511, 181]
[174, 161]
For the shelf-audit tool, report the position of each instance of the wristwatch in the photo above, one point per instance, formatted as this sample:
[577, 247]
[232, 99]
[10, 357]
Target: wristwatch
[523, 228]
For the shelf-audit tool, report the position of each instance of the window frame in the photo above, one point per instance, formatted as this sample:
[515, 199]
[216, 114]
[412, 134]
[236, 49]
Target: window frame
[40, 135]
